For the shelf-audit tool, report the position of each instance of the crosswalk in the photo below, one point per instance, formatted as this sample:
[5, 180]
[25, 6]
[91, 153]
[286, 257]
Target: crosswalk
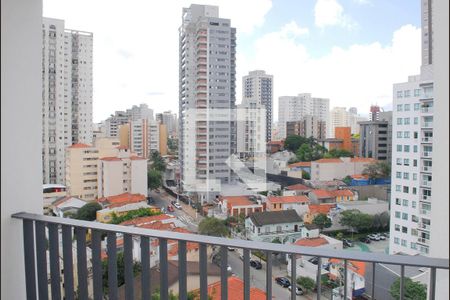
[186, 219]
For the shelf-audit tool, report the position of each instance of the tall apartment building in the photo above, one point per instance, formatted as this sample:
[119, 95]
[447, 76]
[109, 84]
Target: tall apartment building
[341, 117]
[143, 136]
[111, 125]
[66, 94]
[295, 108]
[207, 68]
[374, 114]
[257, 87]
[251, 130]
[170, 120]
[309, 126]
[412, 154]
[375, 138]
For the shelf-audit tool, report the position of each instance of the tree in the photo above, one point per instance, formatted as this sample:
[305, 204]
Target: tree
[157, 161]
[293, 142]
[347, 180]
[154, 179]
[172, 144]
[339, 236]
[336, 153]
[306, 152]
[213, 226]
[378, 169]
[322, 221]
[88, 212]
[356, 220]
[306, 283]
[384, 220]
[137, 268]
[305, 175]
[413, 290]
[133, 214]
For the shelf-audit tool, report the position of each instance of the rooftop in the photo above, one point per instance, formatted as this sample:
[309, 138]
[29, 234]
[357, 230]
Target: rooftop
[320, 194]
[79, 145]
[121, 199]
[311, 242]
[320, 208]
[275, 217]
[298, 187]
[300, 164]
[237, 201]
[149, 219]
[288, 199]
[235, 290]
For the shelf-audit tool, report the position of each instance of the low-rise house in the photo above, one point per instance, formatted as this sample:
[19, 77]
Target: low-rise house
[274, 146]
[296, 169]
[297, 203]
[235, 290]
[266, 226]
[337, 168]
[344, 195]
[67, 205]
[121, 199]
[106, 215]
[328, 185]
[296, 190]
[52, 192]
[321, 196]
[315, 209]
[356, 270]
[239, 205]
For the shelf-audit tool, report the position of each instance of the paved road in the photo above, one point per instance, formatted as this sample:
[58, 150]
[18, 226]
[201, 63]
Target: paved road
[163, 199]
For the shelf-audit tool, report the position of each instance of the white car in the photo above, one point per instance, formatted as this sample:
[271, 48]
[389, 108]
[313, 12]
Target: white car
[177, 205]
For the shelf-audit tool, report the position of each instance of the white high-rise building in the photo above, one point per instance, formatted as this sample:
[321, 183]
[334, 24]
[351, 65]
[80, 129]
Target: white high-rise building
[111, 124]
[341, 117]
[295, 108]
[66, 94]
[207, 68]
[412, 155]
[257, 88]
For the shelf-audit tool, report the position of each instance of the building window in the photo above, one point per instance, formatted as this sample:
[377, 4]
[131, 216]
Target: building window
[414, 218]
[416, 135]
[413, 246]
[399, 94]
[399, 148]
[398, 175]
[404, 229]
[399, 121]
[397, 214]
[414, 191]
[406, 161]
[406, 189]
[406, 134]
[399, 134]
[405, 202]
[404, 243]
[416, 92]
[414, 163]
[406, 121]
[415, 148]
[404, 216]
[416, 120]
[396, 240]
[397, 201]
[406, 148]
[414, 176]
[399, 107]
[398, 188]
[399, 161]
[397, 227]
[407, 107]
[414, 232]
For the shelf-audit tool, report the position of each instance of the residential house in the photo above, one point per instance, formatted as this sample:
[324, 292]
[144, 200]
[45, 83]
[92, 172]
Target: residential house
[297, 203]
[356, 270]
[275, 146]
[321, 196]
[266, 226]
[106, 215]
[315, 209]
[338, 168]
[121, 199]
[52, 192]
[66, 205]
[344, 195]
[239, 205]
[296, 190]
[235, 290]
[328, 185]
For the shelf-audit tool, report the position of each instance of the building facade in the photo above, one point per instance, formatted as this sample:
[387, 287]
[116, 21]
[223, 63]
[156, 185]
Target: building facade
[375, 138]
[309, 126]
[295, 108]
[207, 68]
[66, 94]
[257, 87]
[111, 125]
[341, 117]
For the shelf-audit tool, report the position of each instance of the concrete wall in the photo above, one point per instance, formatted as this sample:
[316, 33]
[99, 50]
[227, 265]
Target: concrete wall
[21, 172]
[381, 192]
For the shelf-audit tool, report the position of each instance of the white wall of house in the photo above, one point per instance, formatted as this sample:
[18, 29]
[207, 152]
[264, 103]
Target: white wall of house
[266, 233]
[139, 177]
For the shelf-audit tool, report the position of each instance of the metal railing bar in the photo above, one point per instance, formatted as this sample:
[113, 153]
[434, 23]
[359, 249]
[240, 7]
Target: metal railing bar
[318, 277]
[402, 282]
[182, 271]
[246, 266]
[68, 262]
[269, 275]
[203, 260]
[254, 245]
[28, 245]
[374, 265]
[163, 269]
[345, 278]
[41, 260]
[55, 274]
[145, 275]
[81, 263]
[223, 272]
[112, 266]
[128, 259]
[293, 276]
[432, 287]
[97, 265]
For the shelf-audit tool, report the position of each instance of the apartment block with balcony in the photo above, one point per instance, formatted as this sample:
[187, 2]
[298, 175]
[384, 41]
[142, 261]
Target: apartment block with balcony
[376, 137]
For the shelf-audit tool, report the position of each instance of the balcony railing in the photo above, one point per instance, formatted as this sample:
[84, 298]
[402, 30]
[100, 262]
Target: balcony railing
[36, 273]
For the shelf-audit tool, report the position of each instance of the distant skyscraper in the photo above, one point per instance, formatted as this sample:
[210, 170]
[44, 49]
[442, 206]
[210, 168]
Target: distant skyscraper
[309, 126]
[374, 114]
[207, 68]
[340, 117]
[375, 139]
[66, 94]
[170, 121]
[136, 113]
[257, 88]
[294, 108]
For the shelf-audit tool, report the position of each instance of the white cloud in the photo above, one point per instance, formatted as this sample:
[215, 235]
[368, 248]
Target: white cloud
[136, 45]
[360, 75]
[331, 13]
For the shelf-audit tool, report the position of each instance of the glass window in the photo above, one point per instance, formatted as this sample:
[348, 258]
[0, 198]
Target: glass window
[399, 134]
[407, 106]
[413, 246]
[398, 188]
[406, 121]
[399, 94]
[405, 202]
[399, 107]
[404, 229]
[414, 218]
[415, 148]
[398, 175]
[416, 92]
[406, 148]
[399, 161]
[399, 121]
[414, 163]
[407, 93]
[399, 148]
[414, 176]
[406, 134]
[403, 242]
[413, 204]
[405, 175]
[414, 191]
[414, 232]
[397, 227]
[406, 161]
[416, 120]
[397, 214]
[416, 135]
[396, 240]
[397, 201]
[406, 189]
[404, 216]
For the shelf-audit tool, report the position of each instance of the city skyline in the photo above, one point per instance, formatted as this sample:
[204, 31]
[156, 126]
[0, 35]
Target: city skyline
[325, 32]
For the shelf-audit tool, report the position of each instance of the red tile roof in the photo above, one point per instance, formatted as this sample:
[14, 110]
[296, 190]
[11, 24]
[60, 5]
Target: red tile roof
[328, 160]
[237, 201]
[121, 147]
[298, 187]
[300, 164]
[362, 159]
[146, 220]
[320, 208]
[121, 199]
[288, 199]
[79, 145]
[358, 267]
[342, 193]
[235, 290]
[311, 242]
[280, 143]
[322, 194]
[359, 176]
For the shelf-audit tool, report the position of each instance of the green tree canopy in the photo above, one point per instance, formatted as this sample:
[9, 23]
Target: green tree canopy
[378, 169]
[336, 153]
[88, 212]
[293, 142]
[141, 212]
[306, 283]
[356, 220]
[322, 221]
[213, 226]
[154, 179]
[120, 270]
[306, 152]
[413, 290]
[306, 175]
[157, 161]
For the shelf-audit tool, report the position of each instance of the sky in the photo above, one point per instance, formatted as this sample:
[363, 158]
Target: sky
[350, 51]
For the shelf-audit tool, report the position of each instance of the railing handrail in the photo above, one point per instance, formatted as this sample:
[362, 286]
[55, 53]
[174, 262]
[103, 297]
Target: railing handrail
[405, 260]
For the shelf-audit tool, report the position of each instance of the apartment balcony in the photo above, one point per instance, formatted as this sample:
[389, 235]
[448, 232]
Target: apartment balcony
[427, 169]
[427, 140]
[427, 109]
[427, 154]
[201, 33]
[202, 46]
[423, 227]
[423, 241]
[427, 125]
[40, 253]
[425, 198]
[425, 183]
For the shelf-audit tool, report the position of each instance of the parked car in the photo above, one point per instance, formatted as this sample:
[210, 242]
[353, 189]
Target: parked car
[373, 237]
[385, 234]
[314, 260]
[283, 281]
[170, 208]
[381, 236]
[347, 243]
[255, 264]
[177, 205]
[298, 290]
[364, 240]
